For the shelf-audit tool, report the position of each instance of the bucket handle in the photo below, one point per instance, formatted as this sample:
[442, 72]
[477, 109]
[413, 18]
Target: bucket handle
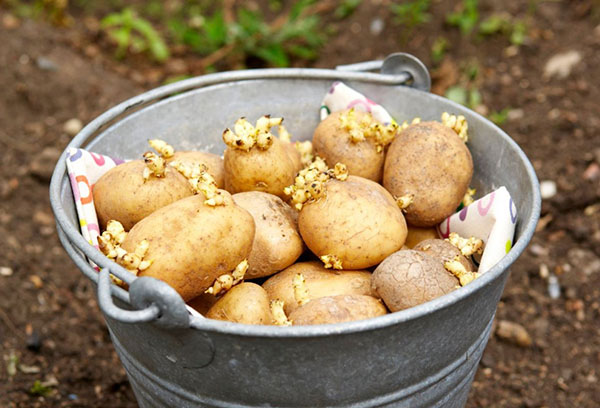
[155, 300]
[396, 64]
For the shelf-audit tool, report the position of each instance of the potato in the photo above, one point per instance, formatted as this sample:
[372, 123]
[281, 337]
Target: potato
[122, 194]
[333, 142]
[255, 160]
[416, 235]
[409, 278]
[277, 243]
[429, 161]
[246, 303]
[356, 221]
[337, 309]
[191, 243]
[213, 163]
[319, 282]
[444, 251]
[203, 303]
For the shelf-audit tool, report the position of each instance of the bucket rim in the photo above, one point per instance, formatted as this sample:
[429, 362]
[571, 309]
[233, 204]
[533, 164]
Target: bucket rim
[60, 177]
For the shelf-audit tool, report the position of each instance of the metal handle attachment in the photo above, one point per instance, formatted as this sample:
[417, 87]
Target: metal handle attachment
[157, 302]
[396, 64]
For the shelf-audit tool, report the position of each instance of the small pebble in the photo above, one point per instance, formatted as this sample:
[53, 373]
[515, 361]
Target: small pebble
[547, 189]
[544, 271]
[46, 64]
[73, 397]
[561, 65]
[538, 250]
[592, 173]
[553, 287]
[43, 163]
[5, 271]
[37, 281]
[513, 333]
[10, 22]
[515, 114]
[377, 26]
[72, 126]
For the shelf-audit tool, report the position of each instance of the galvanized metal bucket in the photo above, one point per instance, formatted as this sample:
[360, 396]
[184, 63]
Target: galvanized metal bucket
[425, 356]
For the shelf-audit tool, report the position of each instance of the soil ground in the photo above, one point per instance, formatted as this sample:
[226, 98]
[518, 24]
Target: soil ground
[49, 320]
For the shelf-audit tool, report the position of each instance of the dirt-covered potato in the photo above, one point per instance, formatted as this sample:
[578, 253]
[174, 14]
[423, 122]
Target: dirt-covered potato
[429, 162]
[444, 251]
[408, 278]
[246, 303]
[337, 309]
[191, 242]
[255, 160]
[352, 224]
[318, 282]
[277, 242]
[356, 139]
[131, 191]
[213, 163]
[416, 235]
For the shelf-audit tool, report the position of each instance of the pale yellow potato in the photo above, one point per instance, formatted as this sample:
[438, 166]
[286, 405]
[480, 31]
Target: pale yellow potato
[319, 282]
[444, 251]
[277, 242]
[294, 155]
[356, 220]
[408, 278]
[246, 303]
[213, 163]
[269, 170]
[416, 235]
[337, 309]
[429, 161]
[332, 143]
[122, 194]
[191, 243]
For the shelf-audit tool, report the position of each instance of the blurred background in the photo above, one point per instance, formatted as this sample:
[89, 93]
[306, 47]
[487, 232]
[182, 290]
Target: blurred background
[530, 66]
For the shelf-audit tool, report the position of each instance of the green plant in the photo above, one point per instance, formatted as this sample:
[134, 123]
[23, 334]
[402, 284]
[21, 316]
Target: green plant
[346, 8]
[438, 49]
[411, 13]
[39, 389]
[296, 34]
[467, 96]
[515, 30]
[129, 30]
[499, 117]
[466, 18]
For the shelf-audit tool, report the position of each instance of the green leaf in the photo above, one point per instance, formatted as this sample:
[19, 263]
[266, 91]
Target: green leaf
[38, 389]
[499, 117]
[298, 8]
[438, 49]
[474, 98]
[303, 52]
[216, 29]
[273, 54]
[250, 22]
[457, 94]
[519, 33]
[492, 25]
[346, 8]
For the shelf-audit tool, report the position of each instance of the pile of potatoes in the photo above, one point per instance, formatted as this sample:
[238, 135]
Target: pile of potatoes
[283, 233]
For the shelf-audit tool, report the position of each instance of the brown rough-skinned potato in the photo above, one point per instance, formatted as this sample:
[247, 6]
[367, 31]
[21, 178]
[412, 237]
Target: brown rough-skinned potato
[122, 194]
[337, 309]
[191, 243]
[319, 282]
[332, 143]
[416, 235]
[246, 303]
[445, 252]
[269, 170]
[409, 278]
[213, 163]
[429, 161]
[356, 220]
[277, 243]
